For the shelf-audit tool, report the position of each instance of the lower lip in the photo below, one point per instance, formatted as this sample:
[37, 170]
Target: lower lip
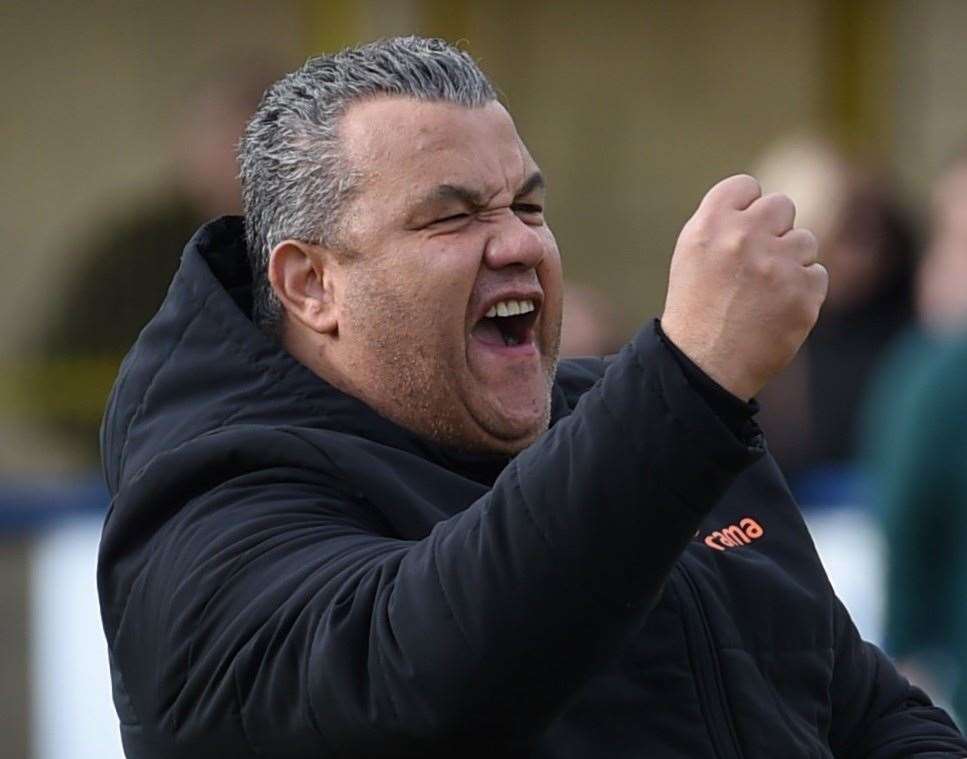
[524, 349]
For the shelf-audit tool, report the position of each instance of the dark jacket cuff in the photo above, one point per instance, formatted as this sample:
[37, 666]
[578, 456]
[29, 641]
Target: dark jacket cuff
[734, 412]
[719, 453]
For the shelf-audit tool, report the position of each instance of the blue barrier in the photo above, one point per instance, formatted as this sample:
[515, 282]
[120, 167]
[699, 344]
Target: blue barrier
[31, 505]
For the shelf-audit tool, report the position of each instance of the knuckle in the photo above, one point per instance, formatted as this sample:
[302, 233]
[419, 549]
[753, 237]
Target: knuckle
[739, 239]
[694, 235]
[768, 269]
[747, 181]
[775, 205]
[784, 202]
[738, 184]
[809, 240]
[699, 226]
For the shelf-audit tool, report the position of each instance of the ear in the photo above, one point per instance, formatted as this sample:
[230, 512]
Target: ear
[302, 276]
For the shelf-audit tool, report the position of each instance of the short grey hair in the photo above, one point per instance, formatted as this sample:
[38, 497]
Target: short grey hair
[295, 179]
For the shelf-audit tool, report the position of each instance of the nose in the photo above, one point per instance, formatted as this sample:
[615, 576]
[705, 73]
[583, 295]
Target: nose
[513, 243]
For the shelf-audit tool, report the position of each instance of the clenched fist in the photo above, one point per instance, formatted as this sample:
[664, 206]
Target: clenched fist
[745, 286]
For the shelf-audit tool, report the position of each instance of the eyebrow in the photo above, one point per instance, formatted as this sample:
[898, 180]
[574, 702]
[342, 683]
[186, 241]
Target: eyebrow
[534, 182]
[473, 197]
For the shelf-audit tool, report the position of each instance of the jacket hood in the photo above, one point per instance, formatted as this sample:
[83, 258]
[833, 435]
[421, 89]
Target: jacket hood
[201, 365]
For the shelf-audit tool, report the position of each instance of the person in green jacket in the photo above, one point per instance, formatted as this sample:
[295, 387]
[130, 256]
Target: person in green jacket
[917, 447]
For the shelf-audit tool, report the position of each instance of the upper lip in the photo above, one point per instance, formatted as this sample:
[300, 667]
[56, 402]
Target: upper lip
[532, 294]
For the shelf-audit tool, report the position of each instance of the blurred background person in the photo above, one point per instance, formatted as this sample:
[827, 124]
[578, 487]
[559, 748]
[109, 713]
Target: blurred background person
[942, 276]
[123, 270]
[811, 414]
[916, 445]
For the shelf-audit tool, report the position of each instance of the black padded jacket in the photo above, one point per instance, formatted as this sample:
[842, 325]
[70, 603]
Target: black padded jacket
[285, 573]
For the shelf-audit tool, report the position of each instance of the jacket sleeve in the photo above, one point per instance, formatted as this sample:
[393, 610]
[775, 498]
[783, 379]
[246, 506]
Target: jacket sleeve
[876, 713]
[268, 605]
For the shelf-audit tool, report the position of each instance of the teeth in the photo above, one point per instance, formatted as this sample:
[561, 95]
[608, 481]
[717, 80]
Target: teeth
[510, 308]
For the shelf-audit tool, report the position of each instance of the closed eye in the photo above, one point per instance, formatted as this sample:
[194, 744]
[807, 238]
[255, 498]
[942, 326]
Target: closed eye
[453, 217]
[530, 210]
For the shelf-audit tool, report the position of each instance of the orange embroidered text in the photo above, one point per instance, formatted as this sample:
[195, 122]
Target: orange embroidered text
[735, 535]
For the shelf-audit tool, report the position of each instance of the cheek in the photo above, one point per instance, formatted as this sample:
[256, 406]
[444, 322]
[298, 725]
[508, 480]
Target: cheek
[446, 275]
[420, 299]
[378, 305]
[439, 264]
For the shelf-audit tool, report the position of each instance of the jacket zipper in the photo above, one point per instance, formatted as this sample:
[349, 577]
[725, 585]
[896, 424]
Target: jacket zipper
[708, 672]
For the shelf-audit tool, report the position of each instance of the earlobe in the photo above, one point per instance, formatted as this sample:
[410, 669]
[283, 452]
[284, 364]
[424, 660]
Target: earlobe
[300, 276]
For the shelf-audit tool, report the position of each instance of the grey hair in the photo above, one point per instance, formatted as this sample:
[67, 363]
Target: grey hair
[295, 179]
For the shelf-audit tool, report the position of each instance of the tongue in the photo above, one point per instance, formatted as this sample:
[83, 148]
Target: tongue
[488, 332]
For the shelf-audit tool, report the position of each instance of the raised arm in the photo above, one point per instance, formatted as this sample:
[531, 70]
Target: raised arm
[279, 607]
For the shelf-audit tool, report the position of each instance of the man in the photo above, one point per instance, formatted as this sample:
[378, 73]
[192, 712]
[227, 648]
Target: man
[916, 443]
[124, 267]
[358, 512]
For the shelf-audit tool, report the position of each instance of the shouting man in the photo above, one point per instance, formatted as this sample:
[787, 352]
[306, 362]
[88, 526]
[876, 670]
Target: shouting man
[359, 510]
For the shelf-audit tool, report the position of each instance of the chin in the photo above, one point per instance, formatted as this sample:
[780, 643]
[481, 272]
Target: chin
[512, 433]
[515, 419]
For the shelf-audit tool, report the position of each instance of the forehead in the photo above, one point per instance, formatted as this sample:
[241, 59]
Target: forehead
[404, 145]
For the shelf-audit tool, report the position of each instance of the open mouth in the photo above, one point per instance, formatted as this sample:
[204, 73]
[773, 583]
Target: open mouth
[508, 323]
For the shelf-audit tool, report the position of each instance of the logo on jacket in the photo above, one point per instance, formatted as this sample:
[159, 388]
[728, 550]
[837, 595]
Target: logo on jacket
[735, 535]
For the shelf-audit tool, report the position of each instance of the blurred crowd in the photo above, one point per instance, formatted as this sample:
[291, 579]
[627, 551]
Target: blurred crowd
[872, 414]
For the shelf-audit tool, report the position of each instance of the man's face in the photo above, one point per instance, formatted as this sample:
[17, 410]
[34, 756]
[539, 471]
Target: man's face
[450, 243]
